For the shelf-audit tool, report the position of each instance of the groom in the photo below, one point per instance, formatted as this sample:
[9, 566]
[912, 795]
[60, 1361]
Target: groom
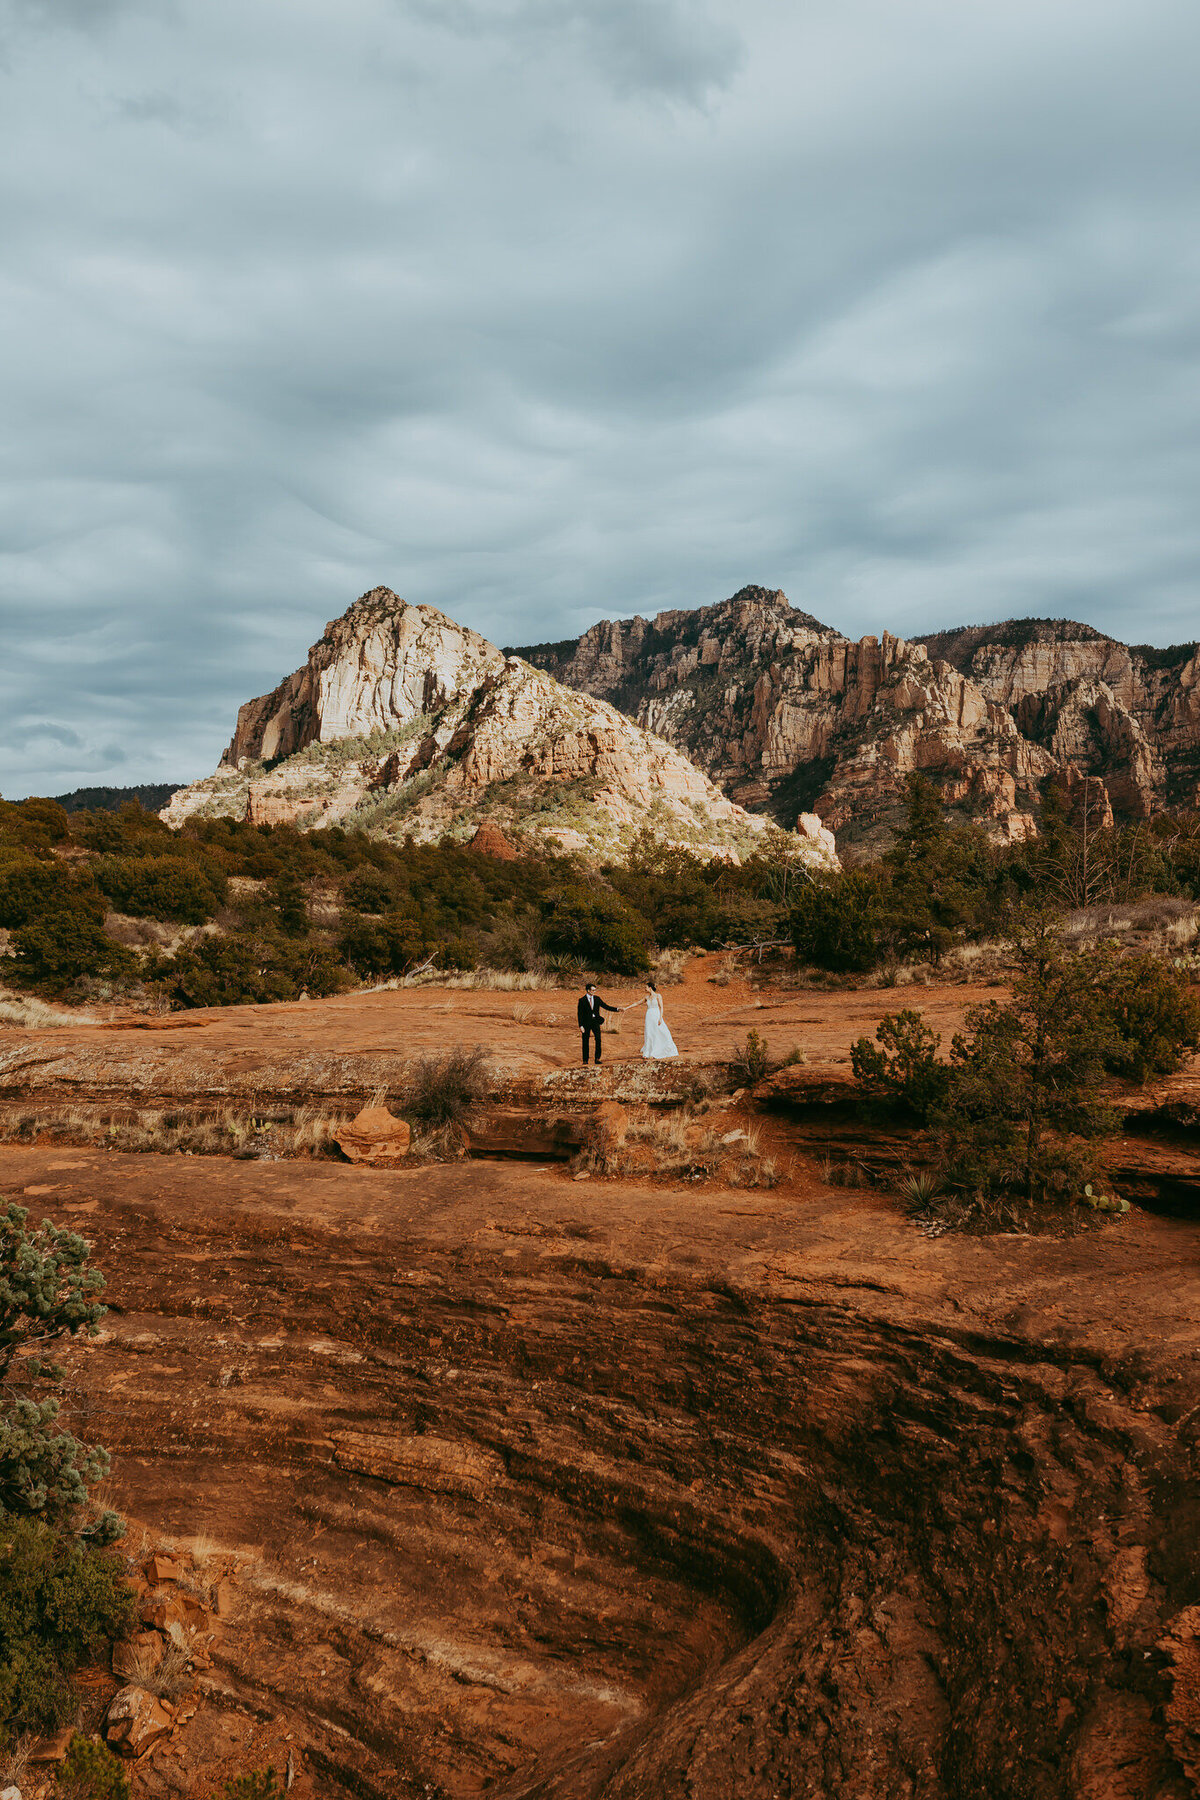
[590, 1008]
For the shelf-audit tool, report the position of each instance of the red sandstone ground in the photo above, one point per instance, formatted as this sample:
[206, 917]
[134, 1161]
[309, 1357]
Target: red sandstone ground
[538, 1487]
[327, 1046]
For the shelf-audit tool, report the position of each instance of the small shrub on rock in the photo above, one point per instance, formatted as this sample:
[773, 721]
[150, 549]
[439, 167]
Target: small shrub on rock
[751, 1063]
[443, 1089]
[90, 1771]
[905, 1072]
[262, 1784]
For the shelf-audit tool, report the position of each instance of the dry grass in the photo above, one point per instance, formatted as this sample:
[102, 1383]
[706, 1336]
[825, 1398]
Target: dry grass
[677, 1144]
[669, 966]
[30, 1014]
[162, 1673]
[15, 1760]
[500, 981]
[308, 1132]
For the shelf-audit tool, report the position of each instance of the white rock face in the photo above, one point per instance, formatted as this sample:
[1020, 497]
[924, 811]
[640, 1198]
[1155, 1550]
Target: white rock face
[381, 665]
[462, 733]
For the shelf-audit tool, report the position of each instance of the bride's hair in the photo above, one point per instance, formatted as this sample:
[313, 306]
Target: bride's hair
[651, 985]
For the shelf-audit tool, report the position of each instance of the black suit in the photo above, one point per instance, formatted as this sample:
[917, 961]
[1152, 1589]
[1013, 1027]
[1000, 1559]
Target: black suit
[590, 1009]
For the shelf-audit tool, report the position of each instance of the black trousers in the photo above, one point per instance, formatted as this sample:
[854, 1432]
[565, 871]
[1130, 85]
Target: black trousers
[589, 1032]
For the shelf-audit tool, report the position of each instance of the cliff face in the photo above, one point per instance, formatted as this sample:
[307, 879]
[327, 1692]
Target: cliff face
[403, 721]
[787, 714]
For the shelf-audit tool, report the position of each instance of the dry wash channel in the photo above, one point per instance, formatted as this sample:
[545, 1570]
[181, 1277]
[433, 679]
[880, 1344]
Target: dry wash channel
[562, 1490]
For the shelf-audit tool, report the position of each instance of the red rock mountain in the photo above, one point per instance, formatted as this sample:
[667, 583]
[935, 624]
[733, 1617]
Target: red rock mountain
[402, 721]
[788, 715]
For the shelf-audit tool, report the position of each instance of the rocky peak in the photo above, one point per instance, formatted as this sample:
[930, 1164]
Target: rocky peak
[403, 721]
[381, 665]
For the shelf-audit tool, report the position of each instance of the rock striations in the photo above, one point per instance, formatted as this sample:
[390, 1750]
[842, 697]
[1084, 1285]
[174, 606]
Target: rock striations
[404, 722]
[787, 714]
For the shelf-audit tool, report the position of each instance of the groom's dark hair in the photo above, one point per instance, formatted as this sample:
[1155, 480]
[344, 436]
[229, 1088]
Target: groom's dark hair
[589, 987]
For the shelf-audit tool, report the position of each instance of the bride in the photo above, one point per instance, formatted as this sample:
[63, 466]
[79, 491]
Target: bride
[657, 1042]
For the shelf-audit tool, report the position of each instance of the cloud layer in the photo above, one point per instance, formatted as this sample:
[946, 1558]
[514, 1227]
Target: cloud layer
[547, 310]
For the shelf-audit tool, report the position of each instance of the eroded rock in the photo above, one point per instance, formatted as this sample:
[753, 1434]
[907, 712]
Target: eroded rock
[375, 1137]
[135, 1722]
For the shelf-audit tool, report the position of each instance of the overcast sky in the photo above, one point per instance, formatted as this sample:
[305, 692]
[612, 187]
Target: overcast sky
[544, 311]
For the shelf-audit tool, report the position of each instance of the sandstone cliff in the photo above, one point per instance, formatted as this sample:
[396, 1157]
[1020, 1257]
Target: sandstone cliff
[404, 722]
[787, 714]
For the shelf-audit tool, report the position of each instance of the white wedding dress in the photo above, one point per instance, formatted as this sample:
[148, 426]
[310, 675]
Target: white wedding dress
[658, 1041]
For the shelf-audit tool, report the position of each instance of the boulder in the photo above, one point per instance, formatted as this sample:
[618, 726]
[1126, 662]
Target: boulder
[135, 1722]
[53, 1748]
[175, 1615]
[438, 1465]
[374, 1137]
[159, 1569]
[1181, 1646]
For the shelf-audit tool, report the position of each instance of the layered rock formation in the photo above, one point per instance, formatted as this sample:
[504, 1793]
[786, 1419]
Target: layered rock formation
[788, 714]
[403, 721]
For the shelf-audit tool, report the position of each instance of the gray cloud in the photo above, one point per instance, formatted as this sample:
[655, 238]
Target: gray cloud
[545, 310]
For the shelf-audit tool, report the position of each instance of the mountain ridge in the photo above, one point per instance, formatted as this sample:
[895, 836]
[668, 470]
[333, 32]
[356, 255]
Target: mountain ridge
[785, 712]
[402, 721]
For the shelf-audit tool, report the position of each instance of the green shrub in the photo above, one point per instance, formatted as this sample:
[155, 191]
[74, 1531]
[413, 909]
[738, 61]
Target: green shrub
[91, 1772]
[161, 887]
[598, 929]
[60, 1599]
[290, 903]
[36, 824]
[246, 969]
[63, 946]
[29, 888]
[368, 890]
[390, 945]
[905, 1072]
[47, 1288]
[47, 1292]
[1022, 1103]
[1152, 1011]
[263, 1784]
[751, 1063]
[460, 953]
[834, 922]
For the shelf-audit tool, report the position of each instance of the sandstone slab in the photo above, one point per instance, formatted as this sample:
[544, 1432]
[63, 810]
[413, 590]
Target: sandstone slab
[533, 1136]
[439, 1465]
